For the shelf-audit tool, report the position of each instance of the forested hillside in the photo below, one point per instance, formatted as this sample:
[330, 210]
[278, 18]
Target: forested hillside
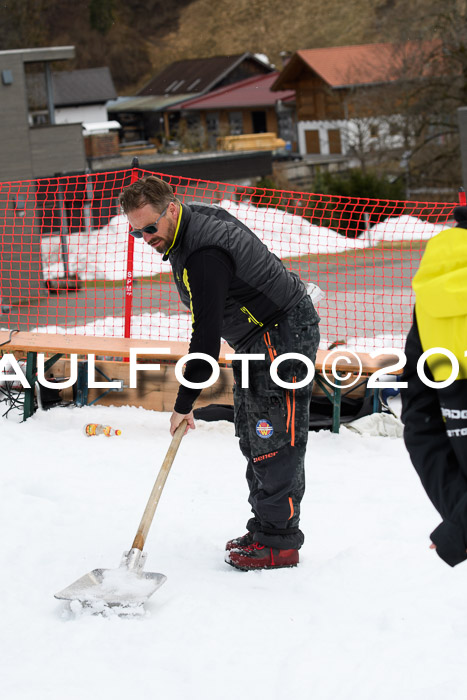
[137, 38]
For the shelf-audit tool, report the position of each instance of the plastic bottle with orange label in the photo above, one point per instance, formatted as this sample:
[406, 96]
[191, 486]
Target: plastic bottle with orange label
[99, 429]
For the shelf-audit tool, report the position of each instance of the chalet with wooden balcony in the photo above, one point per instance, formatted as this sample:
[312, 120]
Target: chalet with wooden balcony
[347, 96]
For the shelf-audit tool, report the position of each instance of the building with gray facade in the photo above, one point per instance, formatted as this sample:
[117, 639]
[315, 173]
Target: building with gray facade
[29, 151]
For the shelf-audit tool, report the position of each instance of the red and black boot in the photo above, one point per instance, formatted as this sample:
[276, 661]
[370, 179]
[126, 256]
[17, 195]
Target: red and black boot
[242, 541]
[259, 556]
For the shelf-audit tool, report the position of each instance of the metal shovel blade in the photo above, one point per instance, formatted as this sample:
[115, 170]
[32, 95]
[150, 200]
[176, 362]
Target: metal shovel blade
[127, 585]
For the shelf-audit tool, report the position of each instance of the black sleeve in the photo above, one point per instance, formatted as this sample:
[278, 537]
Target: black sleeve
[209, 272]
[433, 456]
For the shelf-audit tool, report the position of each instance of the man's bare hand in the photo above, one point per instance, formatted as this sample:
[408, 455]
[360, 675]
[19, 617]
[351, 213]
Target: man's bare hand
[176, 419]
[433, 546]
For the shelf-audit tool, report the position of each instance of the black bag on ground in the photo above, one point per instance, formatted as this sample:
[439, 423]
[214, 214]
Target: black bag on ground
[320, 411]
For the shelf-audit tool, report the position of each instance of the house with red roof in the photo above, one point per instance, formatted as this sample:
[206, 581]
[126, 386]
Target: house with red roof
[246, 107]
[147, 115]
[348, 97]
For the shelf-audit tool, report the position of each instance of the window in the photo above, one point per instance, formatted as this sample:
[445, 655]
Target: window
[38, 118]
[235, 123]
[212, 127]
[212, 122]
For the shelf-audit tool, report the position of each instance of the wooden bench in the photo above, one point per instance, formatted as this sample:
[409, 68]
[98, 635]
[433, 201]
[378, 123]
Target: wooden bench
[162, 384]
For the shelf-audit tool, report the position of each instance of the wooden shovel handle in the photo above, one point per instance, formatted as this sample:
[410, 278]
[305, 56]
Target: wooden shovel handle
[148, 515]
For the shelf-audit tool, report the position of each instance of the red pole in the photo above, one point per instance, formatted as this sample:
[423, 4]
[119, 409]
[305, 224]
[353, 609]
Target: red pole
[129, 264]
[462, 200]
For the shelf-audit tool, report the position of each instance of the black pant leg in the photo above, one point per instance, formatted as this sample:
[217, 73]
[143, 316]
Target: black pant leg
[273, 428]
[241, 431]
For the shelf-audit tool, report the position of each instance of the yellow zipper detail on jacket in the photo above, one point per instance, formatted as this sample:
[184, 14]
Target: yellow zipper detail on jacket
[176, 232]
[187, 285]
[251, 318]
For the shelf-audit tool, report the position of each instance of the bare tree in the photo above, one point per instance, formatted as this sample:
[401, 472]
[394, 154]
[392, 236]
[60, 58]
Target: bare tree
[433, 85]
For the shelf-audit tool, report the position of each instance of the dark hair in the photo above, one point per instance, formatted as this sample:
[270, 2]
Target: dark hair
[148, 190]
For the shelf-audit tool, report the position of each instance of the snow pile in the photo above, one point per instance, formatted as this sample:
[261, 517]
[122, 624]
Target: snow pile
[289, 235]
[148, 325]
[386, 340]
[123, 582]
[112, 586]
[401, 228]
[370, 613]
[103, 253]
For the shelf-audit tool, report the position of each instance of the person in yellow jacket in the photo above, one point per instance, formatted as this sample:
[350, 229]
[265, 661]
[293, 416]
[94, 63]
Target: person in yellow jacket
[435, 416]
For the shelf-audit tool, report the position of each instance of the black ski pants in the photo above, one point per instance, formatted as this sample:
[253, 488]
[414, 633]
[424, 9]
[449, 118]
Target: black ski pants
[272, 424]
[435, 434]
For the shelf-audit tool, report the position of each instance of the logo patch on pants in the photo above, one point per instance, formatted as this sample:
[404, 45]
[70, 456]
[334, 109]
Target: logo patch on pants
[264, 428]
[263, 457]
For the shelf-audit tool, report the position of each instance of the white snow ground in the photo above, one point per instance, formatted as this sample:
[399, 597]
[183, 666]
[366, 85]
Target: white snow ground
[370, 613]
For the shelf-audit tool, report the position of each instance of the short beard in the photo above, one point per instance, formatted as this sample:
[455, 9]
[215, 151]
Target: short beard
[171, 233]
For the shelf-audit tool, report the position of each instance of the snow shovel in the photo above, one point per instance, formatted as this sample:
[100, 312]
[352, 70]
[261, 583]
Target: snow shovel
[129, 585]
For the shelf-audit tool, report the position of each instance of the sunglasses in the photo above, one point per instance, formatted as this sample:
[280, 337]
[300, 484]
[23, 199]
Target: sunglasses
[150, 228]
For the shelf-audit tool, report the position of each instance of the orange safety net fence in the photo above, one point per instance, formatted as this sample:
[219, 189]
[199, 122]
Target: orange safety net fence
[66, 264]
